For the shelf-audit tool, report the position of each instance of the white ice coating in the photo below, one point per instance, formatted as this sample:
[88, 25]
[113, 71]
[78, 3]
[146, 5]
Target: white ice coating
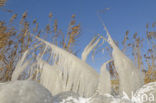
[51, 78]
[20, 66]
[104, 83]
[69, 73]
[75, 72]
[24, 91]
[130, 77]
[89, 48]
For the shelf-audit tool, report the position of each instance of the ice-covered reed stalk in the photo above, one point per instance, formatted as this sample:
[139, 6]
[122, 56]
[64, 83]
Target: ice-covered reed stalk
[90, 47]
[20, 66]
[130, 77]
[104, 83]
[76, 75]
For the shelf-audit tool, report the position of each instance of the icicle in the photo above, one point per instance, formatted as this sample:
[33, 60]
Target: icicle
[77, 76]
[131, 78]
[74, 70]
[51, 78]
[89, 48]
[20, 66]
[104, 84]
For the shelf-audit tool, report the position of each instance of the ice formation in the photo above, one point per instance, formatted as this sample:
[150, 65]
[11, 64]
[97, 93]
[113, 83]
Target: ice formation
[20, 66]
[24, 92]
[104, 83]
[51, 78]
[90, 47]
[66, 72]
[130, 77]
[75, 72]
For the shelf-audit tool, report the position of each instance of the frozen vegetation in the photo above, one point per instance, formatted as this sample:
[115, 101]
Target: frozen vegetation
[70, 79]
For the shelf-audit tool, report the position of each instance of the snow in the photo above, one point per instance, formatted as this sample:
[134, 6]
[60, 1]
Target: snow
[69, 97]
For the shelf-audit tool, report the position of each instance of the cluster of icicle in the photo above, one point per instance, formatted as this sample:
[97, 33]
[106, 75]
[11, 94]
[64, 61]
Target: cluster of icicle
[64, 71]
[67, 72]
